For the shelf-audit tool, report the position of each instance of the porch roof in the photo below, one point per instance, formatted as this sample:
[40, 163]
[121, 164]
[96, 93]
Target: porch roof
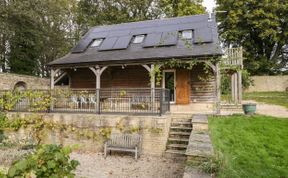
[166, 31]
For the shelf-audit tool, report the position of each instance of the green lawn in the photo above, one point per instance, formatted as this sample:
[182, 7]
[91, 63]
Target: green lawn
[250, 146]
[278, 98]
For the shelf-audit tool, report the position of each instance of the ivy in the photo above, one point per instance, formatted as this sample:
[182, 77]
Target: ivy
[38, 126]
[184, 64]
[38, 100]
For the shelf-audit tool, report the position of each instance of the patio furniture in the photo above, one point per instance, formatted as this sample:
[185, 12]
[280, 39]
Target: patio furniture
[75, 101]
[83, 101]
[92, 101]
[123, 142]
[140, 102]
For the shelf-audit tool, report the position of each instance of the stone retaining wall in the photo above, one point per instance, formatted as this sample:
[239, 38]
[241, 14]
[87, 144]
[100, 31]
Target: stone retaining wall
[153, 140]
[269, 83]
[9, 80]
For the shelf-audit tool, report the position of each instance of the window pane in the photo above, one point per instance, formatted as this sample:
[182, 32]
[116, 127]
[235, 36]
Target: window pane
[96, 42]
[138, 39]
[187, 34]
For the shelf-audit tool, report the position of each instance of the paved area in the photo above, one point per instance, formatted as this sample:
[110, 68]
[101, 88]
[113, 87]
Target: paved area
[195, 173]
[94, 165]
[270, 109]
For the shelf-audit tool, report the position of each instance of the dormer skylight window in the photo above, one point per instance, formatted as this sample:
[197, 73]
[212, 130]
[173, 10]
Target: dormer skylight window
[138, 39]
[186, 34]
[96, 42]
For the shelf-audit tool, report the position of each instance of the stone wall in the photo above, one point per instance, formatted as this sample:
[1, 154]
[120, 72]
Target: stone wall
[9, 80]
[269, 83]
[153, 140]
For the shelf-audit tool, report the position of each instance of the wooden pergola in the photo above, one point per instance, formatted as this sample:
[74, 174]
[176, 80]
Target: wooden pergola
[233, 62]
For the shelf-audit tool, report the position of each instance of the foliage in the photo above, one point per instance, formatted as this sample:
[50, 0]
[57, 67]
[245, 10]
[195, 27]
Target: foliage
[261, 28]
[172, 8]
[277, 98]
[226, 81]
[185, 64]
[10, 155]
[155, 130]
[38, 100]
[250, 146]
[247, 80]
[100, 12]
[38, 126]
[47, 161]
[209, 165]
[34, 33]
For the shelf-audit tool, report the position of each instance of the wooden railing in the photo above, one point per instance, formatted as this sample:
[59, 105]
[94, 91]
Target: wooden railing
[233, 57]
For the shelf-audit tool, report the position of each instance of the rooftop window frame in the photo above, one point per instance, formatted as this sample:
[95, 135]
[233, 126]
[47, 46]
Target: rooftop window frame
[98, 44]
[142, 36]
[190, 37]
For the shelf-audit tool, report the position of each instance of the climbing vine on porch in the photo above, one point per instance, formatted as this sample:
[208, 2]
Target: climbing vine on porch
[187, 64]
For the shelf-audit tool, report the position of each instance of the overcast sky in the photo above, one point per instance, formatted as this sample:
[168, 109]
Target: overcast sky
[209, 4]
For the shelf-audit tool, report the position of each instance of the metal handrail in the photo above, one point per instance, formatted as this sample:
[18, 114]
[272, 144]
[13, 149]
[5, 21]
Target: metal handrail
[111, 100]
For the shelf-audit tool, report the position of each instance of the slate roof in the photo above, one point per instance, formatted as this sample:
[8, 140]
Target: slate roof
[162, 41]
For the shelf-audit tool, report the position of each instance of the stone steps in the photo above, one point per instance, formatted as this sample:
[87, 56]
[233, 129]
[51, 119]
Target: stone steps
[180, 133]
[235, 108]
[179, 152]
[181, 123]
[178, 139]
[177, 146]
[180, 130]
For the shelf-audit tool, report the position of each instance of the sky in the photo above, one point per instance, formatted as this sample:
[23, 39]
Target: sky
[209, 4]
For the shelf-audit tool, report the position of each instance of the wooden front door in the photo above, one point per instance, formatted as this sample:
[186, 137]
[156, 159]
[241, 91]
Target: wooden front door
[182, 86]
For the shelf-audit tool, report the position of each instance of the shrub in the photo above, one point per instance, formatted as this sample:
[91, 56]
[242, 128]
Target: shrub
[226, 82]
[48, 161]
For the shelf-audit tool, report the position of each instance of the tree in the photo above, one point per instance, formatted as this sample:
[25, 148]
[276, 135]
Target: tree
[105, 12]
[38, 32]
[175, 8]
[4, 34]
[261, 27]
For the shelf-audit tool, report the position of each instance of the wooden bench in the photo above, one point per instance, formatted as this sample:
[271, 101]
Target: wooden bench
[123, 142]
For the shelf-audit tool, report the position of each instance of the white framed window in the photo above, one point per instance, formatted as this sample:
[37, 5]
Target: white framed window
[138, 39]
[186, 34]
[97, 42]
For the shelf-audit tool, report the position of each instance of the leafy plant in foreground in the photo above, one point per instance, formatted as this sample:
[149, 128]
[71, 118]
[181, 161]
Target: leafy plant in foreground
[48, 161]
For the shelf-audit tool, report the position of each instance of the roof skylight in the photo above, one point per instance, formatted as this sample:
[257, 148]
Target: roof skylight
[138, 39]
[186, 34]
[97, 42]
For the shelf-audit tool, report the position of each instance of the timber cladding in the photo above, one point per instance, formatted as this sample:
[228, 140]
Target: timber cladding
[192, 86]
[112, 77]
[202, 85]
[195, 85]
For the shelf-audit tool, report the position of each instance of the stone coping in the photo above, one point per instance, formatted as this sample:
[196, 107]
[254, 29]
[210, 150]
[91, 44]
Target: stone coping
[199, 145]
[200, 118]
[199, 141]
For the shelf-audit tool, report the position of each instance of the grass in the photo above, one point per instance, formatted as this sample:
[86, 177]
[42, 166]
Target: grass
[277, 98]
[250, 146]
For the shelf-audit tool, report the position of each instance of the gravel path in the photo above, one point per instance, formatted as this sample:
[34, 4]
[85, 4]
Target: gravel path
[270, 109]
[93, 165]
